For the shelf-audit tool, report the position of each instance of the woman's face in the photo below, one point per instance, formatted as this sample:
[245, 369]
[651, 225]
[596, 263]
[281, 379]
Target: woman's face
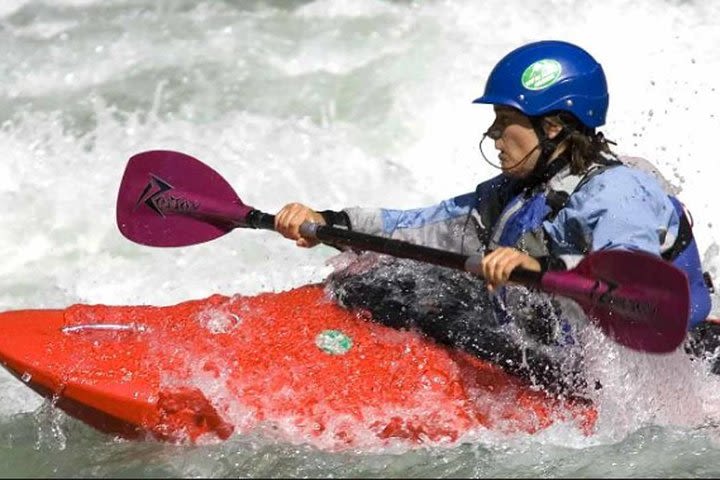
[516, 141]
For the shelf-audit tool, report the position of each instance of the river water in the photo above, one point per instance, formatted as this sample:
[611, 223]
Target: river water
[332, 103]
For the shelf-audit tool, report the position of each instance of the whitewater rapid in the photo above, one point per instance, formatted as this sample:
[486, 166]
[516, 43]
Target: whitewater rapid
[332, 103]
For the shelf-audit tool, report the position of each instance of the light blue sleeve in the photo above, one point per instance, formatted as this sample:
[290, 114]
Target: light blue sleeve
[421, 217]
[621, 208]
[440, 225]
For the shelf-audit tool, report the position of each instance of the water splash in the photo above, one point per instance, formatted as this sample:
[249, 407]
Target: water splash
[298, 97]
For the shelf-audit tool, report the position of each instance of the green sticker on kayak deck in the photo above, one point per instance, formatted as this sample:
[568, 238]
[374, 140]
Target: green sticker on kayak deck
[541, 74]
[333, 342]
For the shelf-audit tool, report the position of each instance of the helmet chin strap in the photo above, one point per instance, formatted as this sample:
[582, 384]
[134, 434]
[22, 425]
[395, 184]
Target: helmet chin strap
[547, 145]
[498, 166]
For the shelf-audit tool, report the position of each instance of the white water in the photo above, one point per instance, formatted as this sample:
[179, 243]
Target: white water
[332, 103]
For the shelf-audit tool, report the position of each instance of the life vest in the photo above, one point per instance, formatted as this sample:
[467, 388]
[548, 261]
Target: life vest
[684, 255]
[520, 226]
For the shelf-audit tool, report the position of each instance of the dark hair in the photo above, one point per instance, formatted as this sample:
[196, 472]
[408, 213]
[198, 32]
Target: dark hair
[585, 145]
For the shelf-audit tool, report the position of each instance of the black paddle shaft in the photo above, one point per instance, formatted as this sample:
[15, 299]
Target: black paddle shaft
[345, 238]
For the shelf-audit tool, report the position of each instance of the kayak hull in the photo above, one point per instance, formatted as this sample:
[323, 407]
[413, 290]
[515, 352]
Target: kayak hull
[291, 363]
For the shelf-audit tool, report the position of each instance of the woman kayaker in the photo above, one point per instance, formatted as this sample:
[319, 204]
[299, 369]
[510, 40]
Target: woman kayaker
[562, 192]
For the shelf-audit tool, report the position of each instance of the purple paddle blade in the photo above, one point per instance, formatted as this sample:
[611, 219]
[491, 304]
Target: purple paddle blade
[169, 199]
[639, 300]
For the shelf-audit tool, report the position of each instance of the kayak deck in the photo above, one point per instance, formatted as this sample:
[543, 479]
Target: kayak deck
[293, 362]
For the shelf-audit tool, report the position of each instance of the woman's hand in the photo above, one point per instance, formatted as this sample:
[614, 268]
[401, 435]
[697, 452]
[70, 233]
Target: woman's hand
[289, 219]
[498, 264]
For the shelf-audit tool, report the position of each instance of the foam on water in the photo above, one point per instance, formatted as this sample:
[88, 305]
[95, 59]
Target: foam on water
[331, 103]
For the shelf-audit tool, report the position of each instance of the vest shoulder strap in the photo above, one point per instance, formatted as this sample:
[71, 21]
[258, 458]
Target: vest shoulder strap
[561, 189]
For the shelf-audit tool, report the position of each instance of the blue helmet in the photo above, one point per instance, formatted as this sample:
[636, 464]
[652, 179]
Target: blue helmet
[543, 77]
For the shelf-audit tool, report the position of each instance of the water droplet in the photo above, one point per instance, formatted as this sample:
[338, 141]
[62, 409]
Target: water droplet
[26, 377]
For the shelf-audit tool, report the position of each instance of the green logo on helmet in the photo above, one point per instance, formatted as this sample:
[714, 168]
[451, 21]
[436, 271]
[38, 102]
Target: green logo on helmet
[333, 342]
[541, 74]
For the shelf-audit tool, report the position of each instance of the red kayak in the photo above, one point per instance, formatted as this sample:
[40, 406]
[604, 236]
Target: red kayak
[291, 363]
